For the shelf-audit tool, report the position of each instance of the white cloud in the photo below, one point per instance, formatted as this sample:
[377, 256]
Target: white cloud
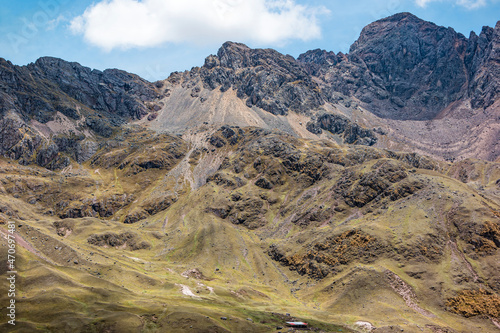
[423, 3]
[469, 4]
[472, 4]
[125, 24]
[52, 24]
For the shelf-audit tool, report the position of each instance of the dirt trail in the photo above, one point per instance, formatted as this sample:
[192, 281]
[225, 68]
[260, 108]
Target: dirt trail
[23, 243]
[403, 289]
[457, 253]
[495, 322]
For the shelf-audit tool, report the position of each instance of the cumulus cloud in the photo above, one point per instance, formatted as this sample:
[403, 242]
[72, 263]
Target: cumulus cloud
[125, 24]
[469, 4]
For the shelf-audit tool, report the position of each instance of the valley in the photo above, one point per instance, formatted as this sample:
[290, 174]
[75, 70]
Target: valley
[257, 189]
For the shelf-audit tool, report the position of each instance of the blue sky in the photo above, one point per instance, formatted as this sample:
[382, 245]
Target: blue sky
[153, 38]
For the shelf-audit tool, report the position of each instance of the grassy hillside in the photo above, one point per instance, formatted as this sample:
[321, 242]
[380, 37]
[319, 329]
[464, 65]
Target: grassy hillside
[230, 229]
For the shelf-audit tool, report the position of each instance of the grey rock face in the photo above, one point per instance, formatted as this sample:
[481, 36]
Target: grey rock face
[420, 64]
[483, 63]
[19, 142]
[39, 90]
[402, 67]
[350, 132]
[264, 78]
[118, 93]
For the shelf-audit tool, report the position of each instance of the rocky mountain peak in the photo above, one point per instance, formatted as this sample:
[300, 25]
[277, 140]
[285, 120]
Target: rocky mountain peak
[483, 62]
[237, 56]
[403, 17]
[417, 63]
[5, 62]
[401, 67]
[51, 92]
[398, 24]
[265, 78]
[496, 38]
[53, 62]
[315, 60]
[234, 55]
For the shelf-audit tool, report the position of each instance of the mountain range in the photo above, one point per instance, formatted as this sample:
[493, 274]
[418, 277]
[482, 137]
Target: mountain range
[357, 192]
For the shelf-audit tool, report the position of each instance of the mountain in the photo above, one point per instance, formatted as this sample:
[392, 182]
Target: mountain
[54, 107]
[416, 81]
[357, 192]
[406, 84]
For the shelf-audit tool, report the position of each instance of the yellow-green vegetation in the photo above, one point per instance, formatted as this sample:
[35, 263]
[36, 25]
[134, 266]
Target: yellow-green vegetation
[230, 229]
[471, 303]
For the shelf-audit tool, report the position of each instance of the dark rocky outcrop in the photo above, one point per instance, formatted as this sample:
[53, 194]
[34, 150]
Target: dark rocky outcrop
[265, 78]
[226, 134]
[351, 132]
[41, 90]
[483, 64]
[20, 142]
[103, 207]
[135, 151]
[331, 254]
[120, 95]
[419, 64]
[124, 240]
[402, 67]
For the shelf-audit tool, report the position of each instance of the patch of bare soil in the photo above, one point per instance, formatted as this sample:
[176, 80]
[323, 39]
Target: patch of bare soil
[405, 291]
[459, 254]
[195, 273]
[20, 241]
[64, 228]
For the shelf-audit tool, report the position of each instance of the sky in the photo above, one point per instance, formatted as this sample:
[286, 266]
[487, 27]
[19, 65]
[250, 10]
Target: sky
[153, 38]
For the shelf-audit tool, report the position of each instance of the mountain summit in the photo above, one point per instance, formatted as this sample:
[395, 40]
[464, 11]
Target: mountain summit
[401, 73]
[415, 69]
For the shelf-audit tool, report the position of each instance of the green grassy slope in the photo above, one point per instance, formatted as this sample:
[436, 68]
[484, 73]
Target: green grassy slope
[157, 233]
